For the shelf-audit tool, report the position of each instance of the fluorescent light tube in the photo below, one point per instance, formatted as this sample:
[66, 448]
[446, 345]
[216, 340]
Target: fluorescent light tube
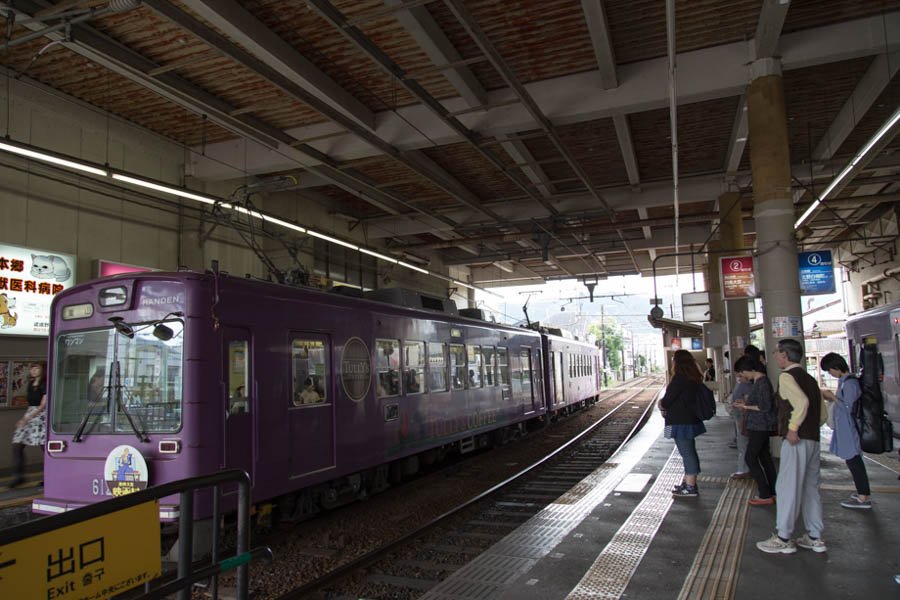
[466, 285]
[71, 164]
[846, 170]
[377, 255]
[163, 188]
[413, 267]
[328, 238]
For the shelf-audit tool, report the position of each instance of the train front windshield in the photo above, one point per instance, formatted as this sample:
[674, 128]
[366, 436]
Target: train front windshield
[105, 382]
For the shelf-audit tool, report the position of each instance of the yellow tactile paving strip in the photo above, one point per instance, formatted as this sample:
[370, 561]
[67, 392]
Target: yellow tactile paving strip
[717, 563]
[612, 570]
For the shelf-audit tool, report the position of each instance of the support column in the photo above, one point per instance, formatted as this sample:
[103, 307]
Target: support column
[773, 208]
[717, 313]
[731, 234]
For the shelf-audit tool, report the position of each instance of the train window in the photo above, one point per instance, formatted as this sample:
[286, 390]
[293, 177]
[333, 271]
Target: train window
[309, 371]
[489, 365]
[387, 368]
[457, 366]
[474, 380]
[146, 383]
[503, 366]
[437, 367]
[527, 382]
[238, 376]
[414, 363]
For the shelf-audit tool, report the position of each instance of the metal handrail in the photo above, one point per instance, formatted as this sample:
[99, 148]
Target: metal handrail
[185, 488]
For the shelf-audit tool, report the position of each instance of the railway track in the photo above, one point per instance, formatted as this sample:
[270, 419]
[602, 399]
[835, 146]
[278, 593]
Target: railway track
[404, 541]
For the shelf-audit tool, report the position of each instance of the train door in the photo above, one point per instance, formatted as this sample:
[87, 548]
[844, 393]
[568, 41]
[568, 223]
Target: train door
[530, 399]
[240, 398]
[554, 395]
[560, 376]
[311, 413]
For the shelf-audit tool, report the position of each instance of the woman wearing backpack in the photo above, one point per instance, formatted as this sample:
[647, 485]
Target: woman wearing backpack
[845, 439]
[682, 424]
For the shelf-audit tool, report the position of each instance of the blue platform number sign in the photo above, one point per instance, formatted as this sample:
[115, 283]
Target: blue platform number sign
[696, 343]
[816, 273]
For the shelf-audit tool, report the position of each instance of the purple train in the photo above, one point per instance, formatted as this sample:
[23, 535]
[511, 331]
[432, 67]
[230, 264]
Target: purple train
[322, 398]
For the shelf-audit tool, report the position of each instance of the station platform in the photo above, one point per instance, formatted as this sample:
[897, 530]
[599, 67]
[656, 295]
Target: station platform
[621, 534]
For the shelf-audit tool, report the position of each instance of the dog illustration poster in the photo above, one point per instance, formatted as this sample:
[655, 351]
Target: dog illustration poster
[29, 278]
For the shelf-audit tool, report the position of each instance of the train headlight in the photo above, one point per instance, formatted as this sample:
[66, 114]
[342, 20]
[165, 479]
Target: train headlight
[56, 446]
[113, 296]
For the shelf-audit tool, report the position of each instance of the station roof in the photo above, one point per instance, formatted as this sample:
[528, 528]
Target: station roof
[526, 140]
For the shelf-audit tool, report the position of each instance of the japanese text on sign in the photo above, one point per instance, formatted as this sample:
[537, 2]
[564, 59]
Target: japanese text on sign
[738, 279]
[90, 560]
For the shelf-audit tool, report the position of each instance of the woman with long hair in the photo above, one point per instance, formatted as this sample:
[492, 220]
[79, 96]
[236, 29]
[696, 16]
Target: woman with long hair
[30, 429]
[760, 417]
[682, 424]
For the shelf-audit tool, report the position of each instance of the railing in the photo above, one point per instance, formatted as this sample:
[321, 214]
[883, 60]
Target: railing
[186, 575]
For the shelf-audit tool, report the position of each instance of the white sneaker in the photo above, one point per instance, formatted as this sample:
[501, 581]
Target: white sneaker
[775, 545]
[817, 545]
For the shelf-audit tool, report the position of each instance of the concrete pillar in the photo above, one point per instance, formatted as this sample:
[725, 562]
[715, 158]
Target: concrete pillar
[731, 234]
[717, 312]
[773, 208]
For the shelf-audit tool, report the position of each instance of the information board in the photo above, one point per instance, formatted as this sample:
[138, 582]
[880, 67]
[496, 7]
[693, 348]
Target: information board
[816, 273]
[737, 277]
[97, 558]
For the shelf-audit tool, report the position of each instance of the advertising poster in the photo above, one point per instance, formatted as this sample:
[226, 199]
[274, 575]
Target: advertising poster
[786, 327]
[105, 268]
[675, 344]
[29, 278]
[4, 383]
[816, 273]
[737, 277]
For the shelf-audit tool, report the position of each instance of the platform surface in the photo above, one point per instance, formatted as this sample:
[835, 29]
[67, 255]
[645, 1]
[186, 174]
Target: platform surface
[620, 534]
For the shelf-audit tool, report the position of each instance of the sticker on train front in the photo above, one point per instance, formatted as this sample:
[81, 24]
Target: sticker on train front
[96, 558]
[125, 471]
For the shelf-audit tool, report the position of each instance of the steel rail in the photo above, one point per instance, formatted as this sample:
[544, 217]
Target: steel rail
[353, 566]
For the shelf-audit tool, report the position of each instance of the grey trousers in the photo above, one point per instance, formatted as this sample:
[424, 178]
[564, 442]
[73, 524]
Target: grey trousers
[741, 440]
[797, 488]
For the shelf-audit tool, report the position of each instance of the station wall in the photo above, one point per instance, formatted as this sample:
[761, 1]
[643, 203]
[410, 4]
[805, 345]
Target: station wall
[54, 209]
[868, 286]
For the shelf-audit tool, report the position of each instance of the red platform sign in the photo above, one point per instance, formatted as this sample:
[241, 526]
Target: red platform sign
[737, 276]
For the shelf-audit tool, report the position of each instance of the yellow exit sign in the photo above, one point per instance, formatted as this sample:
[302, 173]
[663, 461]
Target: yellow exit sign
[90, 560]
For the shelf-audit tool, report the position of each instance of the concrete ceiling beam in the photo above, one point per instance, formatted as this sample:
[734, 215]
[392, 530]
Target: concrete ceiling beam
[432, 39]
[706, 74]
[598, 27]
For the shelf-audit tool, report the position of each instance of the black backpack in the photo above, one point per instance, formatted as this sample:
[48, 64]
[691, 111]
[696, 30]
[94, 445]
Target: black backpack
[876, 433]
[704, 403]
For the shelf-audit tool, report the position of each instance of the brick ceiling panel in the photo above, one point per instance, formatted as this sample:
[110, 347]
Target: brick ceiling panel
[813, 97]
[558, 26]
[805, 14]
[75, 75]
[886, 103]
[703, 134]
[413, 187]
[639, 26]
[482, 178]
